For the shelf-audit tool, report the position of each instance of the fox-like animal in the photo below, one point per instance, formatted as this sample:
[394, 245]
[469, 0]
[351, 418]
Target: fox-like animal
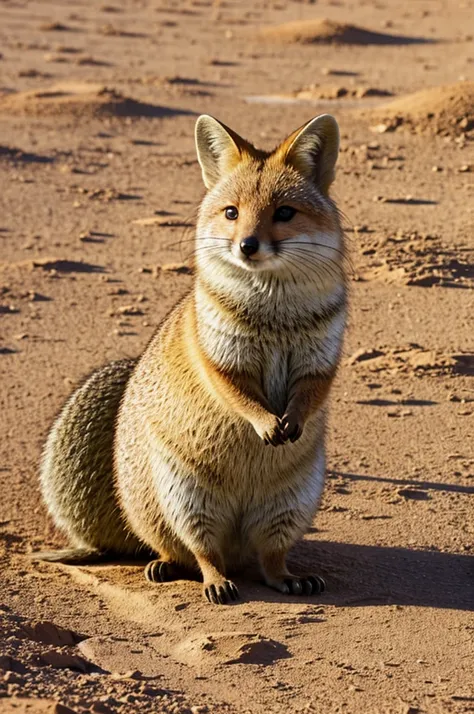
[210, 448]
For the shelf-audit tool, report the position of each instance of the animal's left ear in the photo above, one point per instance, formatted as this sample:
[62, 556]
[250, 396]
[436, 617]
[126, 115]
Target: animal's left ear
[312, 150]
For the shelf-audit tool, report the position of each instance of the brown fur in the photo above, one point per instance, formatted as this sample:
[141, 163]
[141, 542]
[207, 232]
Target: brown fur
[242, 365]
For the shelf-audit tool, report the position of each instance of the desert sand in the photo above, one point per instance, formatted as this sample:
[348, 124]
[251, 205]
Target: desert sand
[99, 186]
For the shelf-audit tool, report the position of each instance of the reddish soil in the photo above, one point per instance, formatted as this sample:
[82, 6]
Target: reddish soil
[98, 188]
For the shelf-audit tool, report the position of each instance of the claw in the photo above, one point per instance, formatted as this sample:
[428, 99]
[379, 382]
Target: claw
[211, 594]
[221, 594]
[304, 586]
[318, 584]
[158, 571]
[294, 585]
[231, 590]
[292, 435]
[295, 435]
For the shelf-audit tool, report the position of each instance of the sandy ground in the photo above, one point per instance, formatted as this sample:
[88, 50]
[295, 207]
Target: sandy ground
[98, 189]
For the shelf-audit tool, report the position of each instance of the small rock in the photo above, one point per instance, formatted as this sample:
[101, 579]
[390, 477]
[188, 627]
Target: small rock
[53, 26]
[100, 708]
[131, 674]
[380, 128]
[180, 268]
[129, 310]
[13, 678]
[10, 664]
[8, 309]
[50, 634]
[363, 355]
[164, 222]
[55, 57]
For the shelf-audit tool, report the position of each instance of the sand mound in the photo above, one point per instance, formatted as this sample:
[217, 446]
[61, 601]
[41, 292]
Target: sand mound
[448, 109]
[325, 31]
[336, 91]
[229, 648]
[80, 100]
[49, 633]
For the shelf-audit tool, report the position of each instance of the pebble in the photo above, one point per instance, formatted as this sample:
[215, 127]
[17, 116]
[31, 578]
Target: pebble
[129, 310]
[100, 708]
[362, 355]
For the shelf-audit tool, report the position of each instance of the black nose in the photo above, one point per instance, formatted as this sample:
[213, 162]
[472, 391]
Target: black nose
[249, 245]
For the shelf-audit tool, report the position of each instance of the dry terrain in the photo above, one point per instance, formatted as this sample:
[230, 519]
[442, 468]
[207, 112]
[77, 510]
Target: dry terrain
[99, 185]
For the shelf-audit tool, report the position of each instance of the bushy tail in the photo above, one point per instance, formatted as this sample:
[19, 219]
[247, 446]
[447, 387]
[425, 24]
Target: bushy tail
[73, 556]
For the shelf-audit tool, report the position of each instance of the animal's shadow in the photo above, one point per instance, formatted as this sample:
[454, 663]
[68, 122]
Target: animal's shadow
[380, 575]
[358, 575]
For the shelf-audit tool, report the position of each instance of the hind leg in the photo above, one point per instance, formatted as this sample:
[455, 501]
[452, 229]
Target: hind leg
[217, 588]
[284, 521]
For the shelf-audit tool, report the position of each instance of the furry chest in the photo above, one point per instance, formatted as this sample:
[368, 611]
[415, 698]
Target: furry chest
[275, 378]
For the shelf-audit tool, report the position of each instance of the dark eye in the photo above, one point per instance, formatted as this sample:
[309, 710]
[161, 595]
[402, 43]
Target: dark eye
[284, 214]
[231, 213]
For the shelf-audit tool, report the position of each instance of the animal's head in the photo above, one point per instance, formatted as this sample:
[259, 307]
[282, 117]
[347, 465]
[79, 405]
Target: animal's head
[270, 212]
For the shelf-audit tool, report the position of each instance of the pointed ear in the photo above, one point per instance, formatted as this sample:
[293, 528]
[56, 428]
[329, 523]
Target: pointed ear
[312, 150]
[219, 149]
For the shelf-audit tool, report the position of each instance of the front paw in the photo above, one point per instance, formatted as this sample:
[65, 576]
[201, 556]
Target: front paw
[291, 428]
[270, 431]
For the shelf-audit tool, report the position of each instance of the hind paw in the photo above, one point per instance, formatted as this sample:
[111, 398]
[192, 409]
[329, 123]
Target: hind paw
[163, 571]
[304, 585]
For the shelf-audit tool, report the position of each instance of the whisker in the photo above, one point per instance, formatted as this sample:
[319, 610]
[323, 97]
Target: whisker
[345, 259]
[317, 267]
[207, 248]
[194, 239]
[316, 245]
[317, 259]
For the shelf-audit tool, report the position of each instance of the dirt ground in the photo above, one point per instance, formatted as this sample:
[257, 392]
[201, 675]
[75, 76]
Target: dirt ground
[98, 189]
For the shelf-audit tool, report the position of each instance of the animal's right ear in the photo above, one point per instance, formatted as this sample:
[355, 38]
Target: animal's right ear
[219, 149]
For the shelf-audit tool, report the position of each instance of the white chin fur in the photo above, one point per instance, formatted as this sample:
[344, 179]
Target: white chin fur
[267, 263]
